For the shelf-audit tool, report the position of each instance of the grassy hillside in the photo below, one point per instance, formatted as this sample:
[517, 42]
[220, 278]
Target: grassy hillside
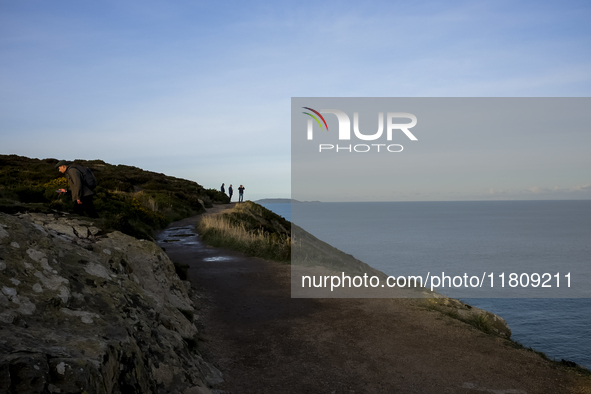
[256, 231]
[127, 198]
[251, 229]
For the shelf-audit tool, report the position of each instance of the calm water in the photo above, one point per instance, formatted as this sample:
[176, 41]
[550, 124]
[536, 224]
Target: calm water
[512, 236]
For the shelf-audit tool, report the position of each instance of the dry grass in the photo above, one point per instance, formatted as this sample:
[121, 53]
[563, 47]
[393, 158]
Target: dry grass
[224, 231]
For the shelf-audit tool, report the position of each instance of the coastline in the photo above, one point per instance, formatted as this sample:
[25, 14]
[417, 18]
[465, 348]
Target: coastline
[176, 317]
[249, 301]
[495, 236]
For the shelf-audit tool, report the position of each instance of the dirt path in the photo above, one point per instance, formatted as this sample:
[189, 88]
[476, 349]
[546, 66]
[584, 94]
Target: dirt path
[266, 342]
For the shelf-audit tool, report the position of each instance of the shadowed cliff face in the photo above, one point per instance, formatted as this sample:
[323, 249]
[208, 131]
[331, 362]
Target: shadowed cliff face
[79, 311]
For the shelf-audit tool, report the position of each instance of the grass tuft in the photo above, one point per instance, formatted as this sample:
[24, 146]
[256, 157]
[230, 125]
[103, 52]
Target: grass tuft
[251, 229]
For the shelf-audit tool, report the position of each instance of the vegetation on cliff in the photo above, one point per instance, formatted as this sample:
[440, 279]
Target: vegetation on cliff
[251, 229]
[128, 199]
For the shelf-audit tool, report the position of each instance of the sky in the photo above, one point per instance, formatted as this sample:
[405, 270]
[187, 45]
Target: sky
[442, 149]
[202, 90]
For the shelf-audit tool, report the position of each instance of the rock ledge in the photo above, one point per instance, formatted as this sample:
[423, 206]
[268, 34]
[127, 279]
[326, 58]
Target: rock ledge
[81, 312]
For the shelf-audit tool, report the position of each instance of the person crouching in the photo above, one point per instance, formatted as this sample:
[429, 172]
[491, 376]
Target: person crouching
[82, 194]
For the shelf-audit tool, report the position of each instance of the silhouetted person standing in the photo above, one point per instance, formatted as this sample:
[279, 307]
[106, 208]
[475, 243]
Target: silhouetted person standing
[241, 193]
[230, 192]
[222, 189]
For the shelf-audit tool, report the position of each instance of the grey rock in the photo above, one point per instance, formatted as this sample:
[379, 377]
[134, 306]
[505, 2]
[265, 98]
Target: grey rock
[61, 228]
[81, 231]
[9, 291]
[7, 317]
[3, 233]
[102, 314]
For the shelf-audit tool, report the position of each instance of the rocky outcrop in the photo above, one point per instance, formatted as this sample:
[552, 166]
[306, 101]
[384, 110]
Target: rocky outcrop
[483, 320]
[84, 312]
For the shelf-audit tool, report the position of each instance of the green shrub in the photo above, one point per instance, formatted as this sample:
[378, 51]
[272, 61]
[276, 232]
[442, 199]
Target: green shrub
[128, 199]
[30, 194]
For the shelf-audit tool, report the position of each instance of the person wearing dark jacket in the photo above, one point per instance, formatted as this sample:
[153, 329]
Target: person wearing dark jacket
[230, 192]
[241, 193]
[82, 195]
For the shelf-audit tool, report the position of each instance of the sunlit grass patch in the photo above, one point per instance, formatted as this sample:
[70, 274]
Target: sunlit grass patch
[246, 230]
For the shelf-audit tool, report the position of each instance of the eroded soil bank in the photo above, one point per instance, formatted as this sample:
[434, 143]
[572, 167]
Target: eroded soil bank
[266, 342]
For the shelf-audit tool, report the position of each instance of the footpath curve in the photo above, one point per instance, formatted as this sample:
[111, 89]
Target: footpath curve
[264, 341]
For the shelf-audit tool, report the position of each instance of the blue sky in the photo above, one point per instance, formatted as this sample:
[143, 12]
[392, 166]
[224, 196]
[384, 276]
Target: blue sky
[201, 90]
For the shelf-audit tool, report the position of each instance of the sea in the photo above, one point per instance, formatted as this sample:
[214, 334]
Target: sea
[499, 236]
